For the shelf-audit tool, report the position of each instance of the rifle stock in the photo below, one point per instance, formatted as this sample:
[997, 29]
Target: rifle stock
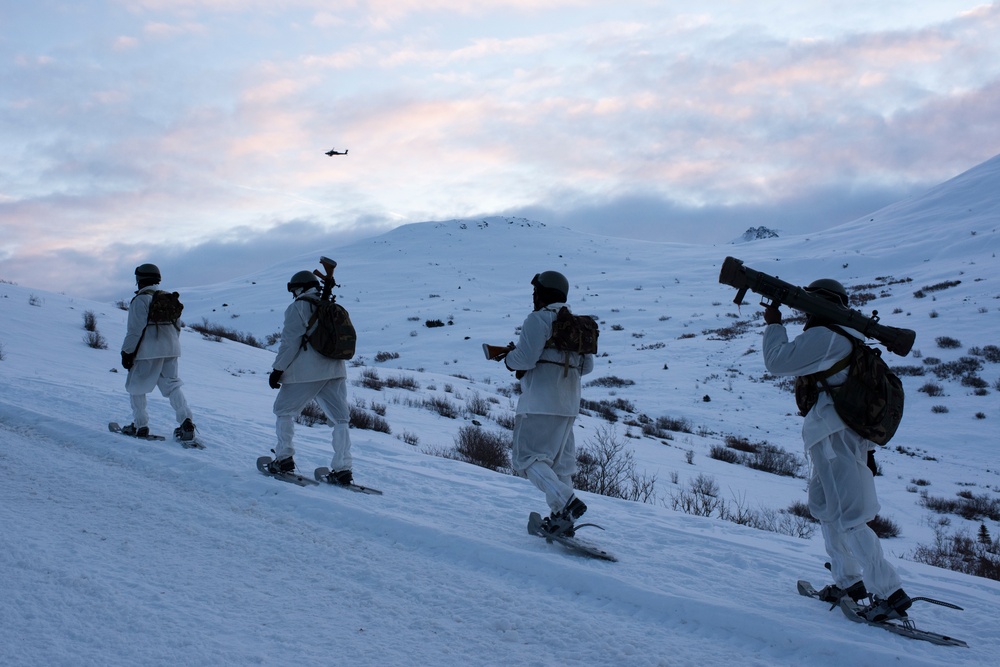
[743, 278]
[328, 282]
[496, 352]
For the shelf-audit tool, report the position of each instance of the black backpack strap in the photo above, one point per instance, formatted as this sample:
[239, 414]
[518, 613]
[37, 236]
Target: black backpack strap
[314, 303]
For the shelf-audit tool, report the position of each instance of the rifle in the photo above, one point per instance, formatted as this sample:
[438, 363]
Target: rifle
[743, 278]
[497, 352]
[328, 282]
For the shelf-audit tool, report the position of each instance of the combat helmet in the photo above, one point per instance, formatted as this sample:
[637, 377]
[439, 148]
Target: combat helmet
[146, 275]
[829, 289]
[552, 280]
[303, 280]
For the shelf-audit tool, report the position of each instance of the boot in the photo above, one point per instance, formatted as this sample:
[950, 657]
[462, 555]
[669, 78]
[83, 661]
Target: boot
[857, 591]
[141, 432]
[561, 522]
[341, 477]
[892, 608]
[833, 592]
[279, 466]
[185, 432]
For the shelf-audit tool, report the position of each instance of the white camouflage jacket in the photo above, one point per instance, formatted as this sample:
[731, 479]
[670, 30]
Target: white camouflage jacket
[547, 388]
[160, 341]
[812, 351]
[306, 365]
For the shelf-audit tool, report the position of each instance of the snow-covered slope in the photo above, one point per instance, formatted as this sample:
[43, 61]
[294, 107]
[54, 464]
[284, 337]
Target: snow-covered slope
[123, 552]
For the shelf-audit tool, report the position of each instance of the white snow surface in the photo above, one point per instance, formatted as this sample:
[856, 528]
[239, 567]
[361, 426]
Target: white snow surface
[115, 551]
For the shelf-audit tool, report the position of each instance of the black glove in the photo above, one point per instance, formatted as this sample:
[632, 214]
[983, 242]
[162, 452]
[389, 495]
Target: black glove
[128, 360]
[871, 462]
[772, 315]
[274, 379]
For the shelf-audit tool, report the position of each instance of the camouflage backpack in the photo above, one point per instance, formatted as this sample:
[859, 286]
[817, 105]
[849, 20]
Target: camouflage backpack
[573, 333]
[870, 401]
[334, 335]
[165, 308]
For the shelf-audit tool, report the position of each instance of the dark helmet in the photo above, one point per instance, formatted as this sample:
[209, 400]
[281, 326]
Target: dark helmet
[829, 289]
[303, 280]
[552, 280]
[147, 274]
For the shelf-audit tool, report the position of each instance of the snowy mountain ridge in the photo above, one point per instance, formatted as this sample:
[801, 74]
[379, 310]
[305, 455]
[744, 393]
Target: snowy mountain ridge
[125, 552]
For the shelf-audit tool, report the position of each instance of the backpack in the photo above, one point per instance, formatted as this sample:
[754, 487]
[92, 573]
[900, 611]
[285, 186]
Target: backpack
[871, 399]
[165, 308]
[334, 335]
[574, 333]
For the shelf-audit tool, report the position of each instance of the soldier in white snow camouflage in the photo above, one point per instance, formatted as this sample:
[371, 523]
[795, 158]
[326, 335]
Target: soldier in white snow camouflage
[544, 447]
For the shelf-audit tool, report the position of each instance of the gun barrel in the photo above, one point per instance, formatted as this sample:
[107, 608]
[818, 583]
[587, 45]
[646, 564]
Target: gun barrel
[735, 274]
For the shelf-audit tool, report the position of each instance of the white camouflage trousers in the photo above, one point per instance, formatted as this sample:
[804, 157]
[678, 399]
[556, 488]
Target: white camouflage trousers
[842, 498]
[545, 452]
[332, 398]
[146, 374]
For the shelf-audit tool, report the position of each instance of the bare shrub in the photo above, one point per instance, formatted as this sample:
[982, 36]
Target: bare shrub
[89, 321]
[216, 332]
[959, 368]
[884, 527]
[861, 298]
[371, 380]
[966, 505]
[931, 389]
[505, 420]
[701, 499]
[386, 356]
[605, 466]
[402, 382]
[486, 449]
[362, 419]
[947, 342]
[677, 424]
[990, 352]
[801, 509]
[758, 456]
[725, 454]
[95, 340]
[442, 406]
[922, 292]
[602, 408]
[962, 553]
[974, 381]
[730, 332]
[610, 381]
[478, 405]
[311, 414]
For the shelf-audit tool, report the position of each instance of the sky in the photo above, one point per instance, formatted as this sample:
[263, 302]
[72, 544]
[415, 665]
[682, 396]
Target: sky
[192, 134]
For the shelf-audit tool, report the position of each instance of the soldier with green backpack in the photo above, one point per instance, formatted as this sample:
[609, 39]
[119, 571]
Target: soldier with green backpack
[553, 350]
[150, 353]
[838, 434]
[316, 339]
